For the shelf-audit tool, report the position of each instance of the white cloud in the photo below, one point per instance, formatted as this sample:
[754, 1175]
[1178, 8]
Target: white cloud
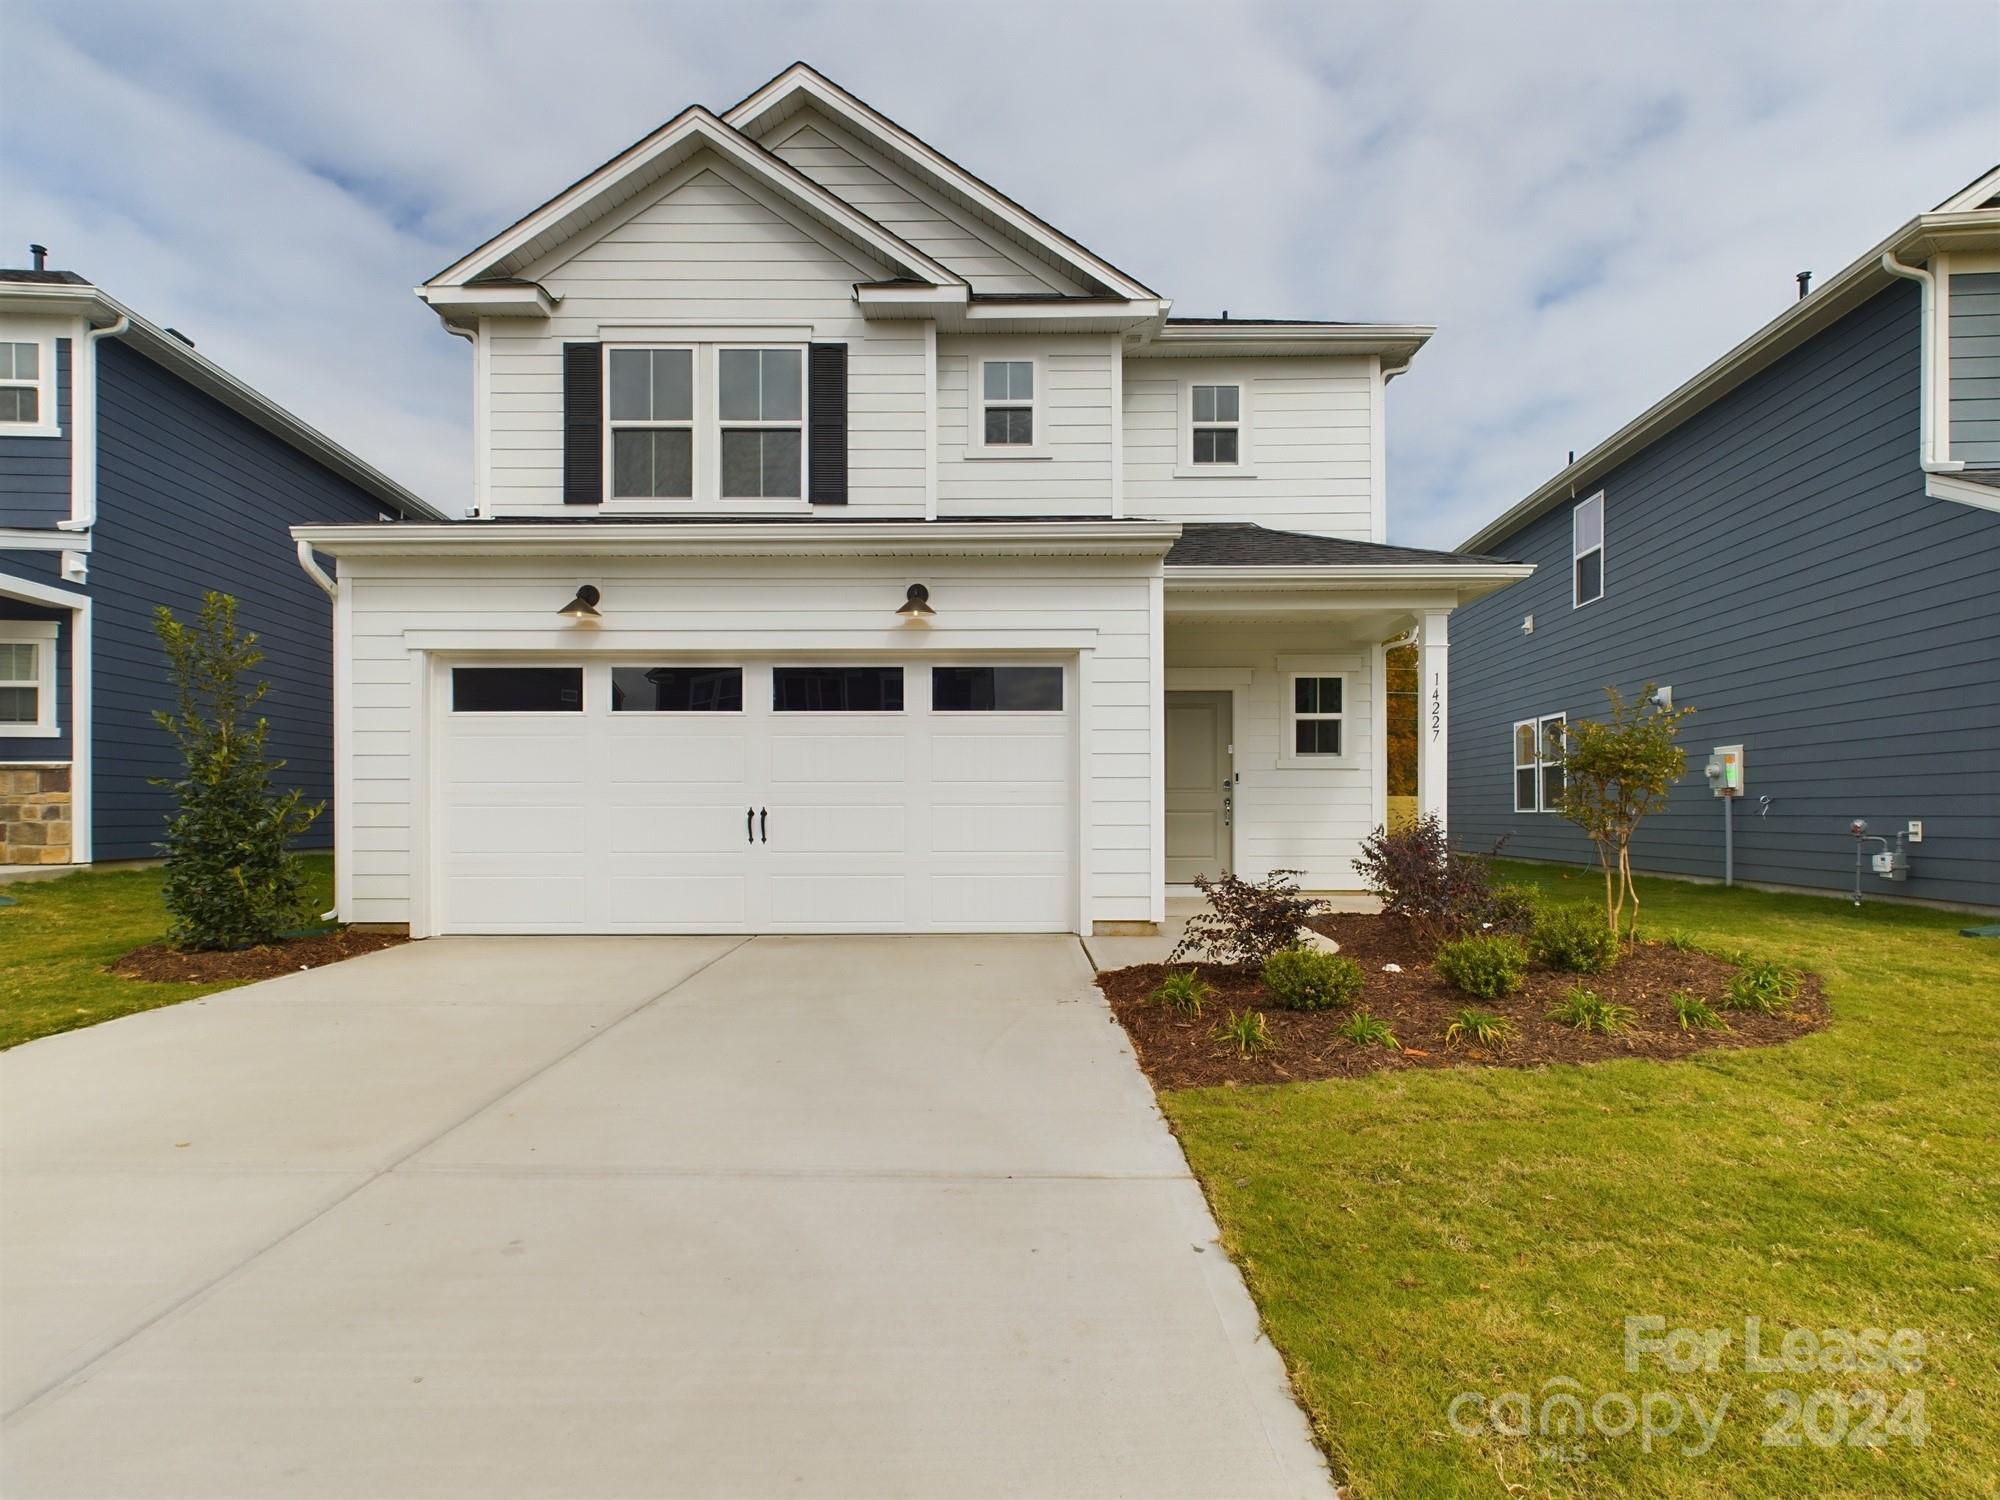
[1591, 201]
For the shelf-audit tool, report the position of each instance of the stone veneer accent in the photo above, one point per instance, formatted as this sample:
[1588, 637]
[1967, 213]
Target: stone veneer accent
[34, 815]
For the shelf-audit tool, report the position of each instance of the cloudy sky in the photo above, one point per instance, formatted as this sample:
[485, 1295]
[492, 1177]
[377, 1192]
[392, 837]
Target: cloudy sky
[1591, 201]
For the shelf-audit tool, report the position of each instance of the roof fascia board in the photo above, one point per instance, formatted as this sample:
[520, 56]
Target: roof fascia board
[525, 301]
[1839, 295]
[198, 370]
[1197, 576]
[830, 96]
[1974, 193]
[695, 124]
[723, 538]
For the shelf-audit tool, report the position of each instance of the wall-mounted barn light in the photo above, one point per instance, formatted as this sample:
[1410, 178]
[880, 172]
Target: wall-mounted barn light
[916, 603]
[583, 606]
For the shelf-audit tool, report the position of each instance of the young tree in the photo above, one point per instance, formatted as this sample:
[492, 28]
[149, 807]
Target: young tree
[232, 880]
[1616, 773]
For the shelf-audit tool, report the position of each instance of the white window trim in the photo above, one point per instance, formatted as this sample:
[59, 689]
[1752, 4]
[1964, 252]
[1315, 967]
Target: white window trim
[1578, 554]
[1245, 466]
[976, 403]
[44, 382]
[42, 635]
[1289, 750]
[707, 423]
[1540, 762]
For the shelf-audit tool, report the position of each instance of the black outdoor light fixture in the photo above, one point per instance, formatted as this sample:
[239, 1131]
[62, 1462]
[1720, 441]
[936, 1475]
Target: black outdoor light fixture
[583, 606]
[916, 603]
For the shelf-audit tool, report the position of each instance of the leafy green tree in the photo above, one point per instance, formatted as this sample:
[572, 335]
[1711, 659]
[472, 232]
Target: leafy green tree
[1616, 773]
[232, 880]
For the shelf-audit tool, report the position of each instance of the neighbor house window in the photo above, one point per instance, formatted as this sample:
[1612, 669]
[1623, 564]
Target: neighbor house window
[1217, 436]
[676, 690]
[21, 374]
[760, 404]
[28, 678]
[1007, 403]
[1538, 770]
[1317, 706]
[1587, 548]
[651, 407]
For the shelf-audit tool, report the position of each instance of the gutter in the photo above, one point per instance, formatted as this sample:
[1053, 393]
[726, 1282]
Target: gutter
[1930, 442]
[315, 572]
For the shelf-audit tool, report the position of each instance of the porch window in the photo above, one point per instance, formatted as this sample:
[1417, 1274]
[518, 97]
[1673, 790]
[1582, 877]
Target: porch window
[1587, 549]
[28, 678]
[1538, 771]
[1318, 704]
[1217, 431]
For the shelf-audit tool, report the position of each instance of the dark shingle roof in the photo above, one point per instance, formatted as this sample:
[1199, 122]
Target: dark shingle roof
[1261, 323]
[1244, 544]
[43, 278]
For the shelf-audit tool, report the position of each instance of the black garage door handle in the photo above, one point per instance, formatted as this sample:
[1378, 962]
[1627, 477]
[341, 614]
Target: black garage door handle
[750, 824]
[763, 830]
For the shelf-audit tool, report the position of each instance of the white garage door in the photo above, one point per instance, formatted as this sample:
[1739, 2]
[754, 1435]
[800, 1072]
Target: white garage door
[757, 796]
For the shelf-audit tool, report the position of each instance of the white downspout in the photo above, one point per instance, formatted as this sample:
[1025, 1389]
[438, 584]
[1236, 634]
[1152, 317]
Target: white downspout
[321, 577]
[86, 509]
[1933, 446]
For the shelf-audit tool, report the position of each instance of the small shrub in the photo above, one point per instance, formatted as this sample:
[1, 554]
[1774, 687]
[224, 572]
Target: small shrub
[1763, 986]
[1245, 1031]
[1184, 992]
[1365, 1030]
[1481, 1026]
[1695, 1013]
[1488, 967]
[1571, 938]
[1420, 879]
[1307, 979]
[1586, 1010]
[1513, 908]
[1247, 922]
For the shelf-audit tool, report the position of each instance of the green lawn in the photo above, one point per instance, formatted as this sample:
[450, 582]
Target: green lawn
[1416, 1235]
[55, 943]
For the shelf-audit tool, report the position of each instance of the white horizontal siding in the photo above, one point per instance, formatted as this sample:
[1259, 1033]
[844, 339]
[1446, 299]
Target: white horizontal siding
[1074, 479]
[1310, 442]
[1291, 816]
[705, 252]
[910, 209]
[651, 603]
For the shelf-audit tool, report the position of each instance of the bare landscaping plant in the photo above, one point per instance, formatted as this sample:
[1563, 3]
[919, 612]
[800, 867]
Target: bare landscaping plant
[1247, 921]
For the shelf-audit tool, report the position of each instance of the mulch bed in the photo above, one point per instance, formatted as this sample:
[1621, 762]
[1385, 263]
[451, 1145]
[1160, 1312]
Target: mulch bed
[1417, 1006]
[169, 965]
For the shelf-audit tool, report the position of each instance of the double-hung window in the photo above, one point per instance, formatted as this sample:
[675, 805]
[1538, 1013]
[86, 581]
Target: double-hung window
[27, 399]
[1216, 436]
[27, 678]
[1587, 549]
[760, 405]
[1007, 403]
[652, 423]
[1318, 710]
[1538, 768]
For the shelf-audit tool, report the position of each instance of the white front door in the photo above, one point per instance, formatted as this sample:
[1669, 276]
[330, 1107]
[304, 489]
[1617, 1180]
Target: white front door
[867, 795]
[1200, 793]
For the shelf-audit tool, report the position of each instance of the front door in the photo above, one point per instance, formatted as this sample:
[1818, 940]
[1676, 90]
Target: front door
[1199, 791]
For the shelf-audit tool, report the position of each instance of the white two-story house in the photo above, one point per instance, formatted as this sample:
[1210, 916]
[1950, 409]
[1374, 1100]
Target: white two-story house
[852, 550]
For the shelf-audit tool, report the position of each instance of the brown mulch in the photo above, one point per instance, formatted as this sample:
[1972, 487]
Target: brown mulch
[169, 965]
[1418, 1006]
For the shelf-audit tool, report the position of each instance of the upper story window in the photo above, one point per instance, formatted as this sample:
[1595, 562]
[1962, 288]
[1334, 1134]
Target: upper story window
[705, 422]
[1216, 436]
[27, 678]
[27, 395]
[1007, 403]
[1587, 550]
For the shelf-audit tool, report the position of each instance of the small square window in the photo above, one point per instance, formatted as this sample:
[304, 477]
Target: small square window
[20, 383]
[1007, 403]
[1215, 428]
[1317, 705]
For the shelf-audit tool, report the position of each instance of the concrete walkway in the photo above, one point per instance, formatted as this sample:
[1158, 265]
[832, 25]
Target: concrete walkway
[861, 1217]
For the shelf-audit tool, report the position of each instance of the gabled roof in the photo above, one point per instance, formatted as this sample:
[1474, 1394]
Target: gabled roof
[1969, 217]
[64, 293]
[801, 84]
[631, 171]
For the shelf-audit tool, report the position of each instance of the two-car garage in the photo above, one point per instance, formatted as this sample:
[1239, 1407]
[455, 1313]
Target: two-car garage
[756, 795]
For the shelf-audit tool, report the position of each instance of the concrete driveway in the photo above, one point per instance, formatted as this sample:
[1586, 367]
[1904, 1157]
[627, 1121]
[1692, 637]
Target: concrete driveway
[862, 1217]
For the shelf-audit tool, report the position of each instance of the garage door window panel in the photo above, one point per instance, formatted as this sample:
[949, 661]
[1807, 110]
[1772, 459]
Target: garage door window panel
[517, 690]
[677, 690]
[837, 689]
[997, 689]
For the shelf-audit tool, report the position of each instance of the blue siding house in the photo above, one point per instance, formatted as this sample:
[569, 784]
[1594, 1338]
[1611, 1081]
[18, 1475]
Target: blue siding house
[1803, 544]
[136, 472]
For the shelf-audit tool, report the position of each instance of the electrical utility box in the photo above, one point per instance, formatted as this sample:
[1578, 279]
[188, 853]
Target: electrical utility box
[1725, 770]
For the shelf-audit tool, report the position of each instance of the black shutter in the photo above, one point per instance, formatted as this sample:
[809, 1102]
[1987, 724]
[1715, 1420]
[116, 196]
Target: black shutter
[826, 411]
[583, 424]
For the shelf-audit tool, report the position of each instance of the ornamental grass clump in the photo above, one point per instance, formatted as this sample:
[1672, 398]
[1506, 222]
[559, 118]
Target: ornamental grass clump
[1307, 979]
[1184, 992]
[1487, 966]
[1586, 1010]
[1763, 986]
[1246, 1031]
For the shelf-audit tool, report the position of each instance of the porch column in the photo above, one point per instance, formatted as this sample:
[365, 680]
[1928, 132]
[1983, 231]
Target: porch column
[1433, 726]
